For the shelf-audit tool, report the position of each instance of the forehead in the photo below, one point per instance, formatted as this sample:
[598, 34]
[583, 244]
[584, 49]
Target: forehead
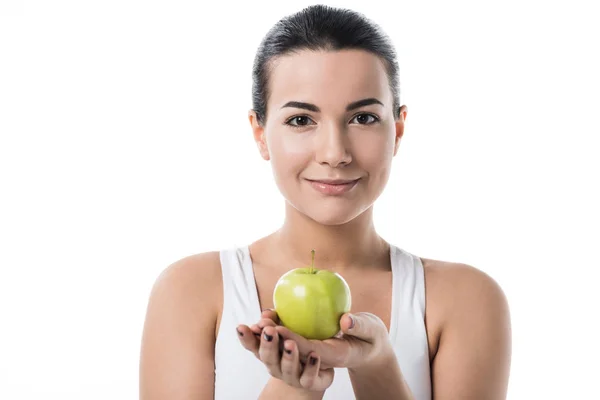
[328, 78]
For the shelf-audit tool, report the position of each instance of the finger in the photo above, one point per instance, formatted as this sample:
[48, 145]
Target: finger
[248, 340]
[258, 327]
[313, 378]
[333, 352]
[364, 326]
[303, 345]
[347, 322]
[311, 372]
[270, 314]
[256, 330]
[290, 364]
[269, 351]
[266, 322]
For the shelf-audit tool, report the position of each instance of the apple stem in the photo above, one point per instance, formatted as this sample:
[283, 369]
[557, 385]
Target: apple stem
[312, 264]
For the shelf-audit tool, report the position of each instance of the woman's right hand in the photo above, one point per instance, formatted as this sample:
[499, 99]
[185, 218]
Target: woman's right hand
[283, 359]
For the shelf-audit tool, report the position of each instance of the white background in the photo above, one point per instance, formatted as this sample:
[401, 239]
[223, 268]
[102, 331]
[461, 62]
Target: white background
[125, 146]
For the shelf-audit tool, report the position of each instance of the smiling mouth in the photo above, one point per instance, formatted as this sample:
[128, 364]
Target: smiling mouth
[333, 187]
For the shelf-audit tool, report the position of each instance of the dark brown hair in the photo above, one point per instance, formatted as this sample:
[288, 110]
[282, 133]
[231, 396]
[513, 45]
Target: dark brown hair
[321, 27]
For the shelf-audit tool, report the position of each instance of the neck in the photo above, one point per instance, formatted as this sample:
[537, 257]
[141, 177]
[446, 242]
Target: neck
[337, 247]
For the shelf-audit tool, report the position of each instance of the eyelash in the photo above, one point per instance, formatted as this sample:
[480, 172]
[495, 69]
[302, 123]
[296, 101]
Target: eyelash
[306, 116]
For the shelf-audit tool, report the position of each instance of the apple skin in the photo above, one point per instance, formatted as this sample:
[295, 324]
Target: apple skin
[310, 302]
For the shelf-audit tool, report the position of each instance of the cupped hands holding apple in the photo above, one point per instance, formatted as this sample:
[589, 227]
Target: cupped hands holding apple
[310, 332]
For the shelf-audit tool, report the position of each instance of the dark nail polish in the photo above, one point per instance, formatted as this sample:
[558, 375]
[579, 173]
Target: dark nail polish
[351, 322]
[256, 334]
[268, 337]
[239, 333]
[288, 351]
[313, 360]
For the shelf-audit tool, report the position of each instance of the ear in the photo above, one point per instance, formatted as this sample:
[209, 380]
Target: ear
[400, 128]
[259, 135]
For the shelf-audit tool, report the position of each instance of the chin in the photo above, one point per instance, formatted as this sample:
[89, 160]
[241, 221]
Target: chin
[332, 215]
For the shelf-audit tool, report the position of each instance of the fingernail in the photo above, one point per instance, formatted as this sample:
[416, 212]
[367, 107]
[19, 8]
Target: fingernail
[256, 334]
[313, 360]
[351, 322]
[268, 337]
[239, 333]
[288, 351]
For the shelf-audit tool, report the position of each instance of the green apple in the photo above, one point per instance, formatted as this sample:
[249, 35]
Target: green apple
[310, 302]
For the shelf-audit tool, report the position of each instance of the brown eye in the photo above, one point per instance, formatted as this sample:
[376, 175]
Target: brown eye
[301, 119]
[365, 117]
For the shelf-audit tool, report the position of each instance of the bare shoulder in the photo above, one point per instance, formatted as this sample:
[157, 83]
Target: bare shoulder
[453, 285]
[177, 350]
[187, 275]
[191, 284]
[471, 317]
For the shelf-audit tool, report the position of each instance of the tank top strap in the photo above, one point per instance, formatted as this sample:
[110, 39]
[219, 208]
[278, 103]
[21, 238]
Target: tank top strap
[238, 373]
[240, 297]
[408, 298]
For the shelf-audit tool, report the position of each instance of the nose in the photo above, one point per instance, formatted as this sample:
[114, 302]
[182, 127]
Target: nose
[333, 147]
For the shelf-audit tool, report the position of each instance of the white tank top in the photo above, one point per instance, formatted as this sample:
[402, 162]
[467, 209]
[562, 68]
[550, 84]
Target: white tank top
[239, 375]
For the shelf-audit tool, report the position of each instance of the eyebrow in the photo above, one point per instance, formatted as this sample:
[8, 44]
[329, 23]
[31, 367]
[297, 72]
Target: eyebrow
[349, 107]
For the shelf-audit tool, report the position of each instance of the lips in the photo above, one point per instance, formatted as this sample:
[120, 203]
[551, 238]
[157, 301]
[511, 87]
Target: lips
[333, 187]
[333, 181]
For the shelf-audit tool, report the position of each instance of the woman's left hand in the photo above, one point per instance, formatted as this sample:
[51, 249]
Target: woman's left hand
[364, 341]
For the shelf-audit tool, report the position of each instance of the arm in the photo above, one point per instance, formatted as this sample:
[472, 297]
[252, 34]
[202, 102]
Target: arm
[473, 358]
[277, 389]
[384, 381]
[177, 351]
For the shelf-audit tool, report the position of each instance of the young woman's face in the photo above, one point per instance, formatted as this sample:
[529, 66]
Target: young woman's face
[329, 141]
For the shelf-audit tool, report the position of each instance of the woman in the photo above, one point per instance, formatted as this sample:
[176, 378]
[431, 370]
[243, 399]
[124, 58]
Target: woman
[326, 114]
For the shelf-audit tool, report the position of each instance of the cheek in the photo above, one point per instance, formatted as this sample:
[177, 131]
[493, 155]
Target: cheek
[374, 153]
[290, 154]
